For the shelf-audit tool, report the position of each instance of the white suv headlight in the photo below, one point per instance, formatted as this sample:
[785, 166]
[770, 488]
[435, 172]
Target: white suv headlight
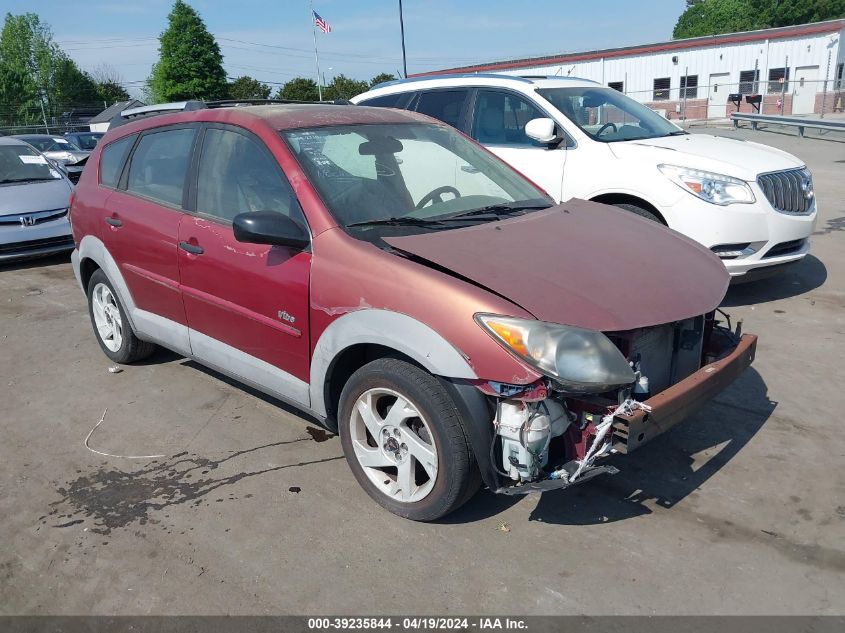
[579, 360]
[714, 188]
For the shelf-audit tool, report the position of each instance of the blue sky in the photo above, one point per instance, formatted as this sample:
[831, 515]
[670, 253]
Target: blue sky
[365, 33]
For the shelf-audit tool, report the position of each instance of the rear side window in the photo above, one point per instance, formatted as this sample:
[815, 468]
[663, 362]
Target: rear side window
[112, 159]
[446, 105]
[159, 165]
[238, 175]
[387, 101]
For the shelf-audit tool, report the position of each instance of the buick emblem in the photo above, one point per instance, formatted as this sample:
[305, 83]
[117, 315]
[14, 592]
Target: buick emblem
[27, 220]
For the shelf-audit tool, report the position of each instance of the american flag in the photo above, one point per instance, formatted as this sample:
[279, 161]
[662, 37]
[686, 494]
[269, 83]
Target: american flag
[321, 23]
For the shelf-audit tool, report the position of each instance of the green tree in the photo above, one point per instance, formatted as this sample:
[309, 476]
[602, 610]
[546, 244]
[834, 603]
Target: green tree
[109, 84]
[342, 87]
[71, 86]
[772, 13]
[248, 88]
[299, 89]
[111, 92]
[19, 103]
[190, 64]
[37, 73]
[712, 17]
[381, 78]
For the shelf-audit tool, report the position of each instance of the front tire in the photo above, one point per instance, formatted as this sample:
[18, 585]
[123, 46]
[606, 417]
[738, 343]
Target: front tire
[111, 326]
[640, 211]
[404, 441]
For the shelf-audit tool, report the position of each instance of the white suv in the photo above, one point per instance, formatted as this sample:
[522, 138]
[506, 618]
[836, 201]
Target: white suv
[751, 204]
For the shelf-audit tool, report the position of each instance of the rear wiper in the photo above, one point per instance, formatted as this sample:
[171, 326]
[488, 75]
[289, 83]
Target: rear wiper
[407, 221]
[496, 209]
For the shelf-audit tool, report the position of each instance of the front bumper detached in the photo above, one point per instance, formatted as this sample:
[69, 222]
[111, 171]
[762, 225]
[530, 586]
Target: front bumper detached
[672, 405]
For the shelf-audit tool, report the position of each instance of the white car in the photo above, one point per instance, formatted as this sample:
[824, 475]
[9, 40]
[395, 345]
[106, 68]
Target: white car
[751, 204]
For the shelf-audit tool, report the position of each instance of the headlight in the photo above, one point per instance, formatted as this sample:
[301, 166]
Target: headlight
[714, 188]
[579, 360]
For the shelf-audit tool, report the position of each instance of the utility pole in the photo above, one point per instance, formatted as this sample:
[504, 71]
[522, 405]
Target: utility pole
[44, 116]
[402, 29]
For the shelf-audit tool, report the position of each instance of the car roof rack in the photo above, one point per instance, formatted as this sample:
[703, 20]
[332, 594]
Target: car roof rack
[142, 112]
[410, 80]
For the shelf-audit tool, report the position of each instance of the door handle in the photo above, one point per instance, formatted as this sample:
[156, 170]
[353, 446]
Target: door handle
[114, 222]
[193, 249]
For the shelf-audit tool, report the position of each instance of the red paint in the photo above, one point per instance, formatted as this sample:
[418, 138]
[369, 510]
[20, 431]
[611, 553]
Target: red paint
[144, 248]
[234, 292]
[582, 263]
[560, 265]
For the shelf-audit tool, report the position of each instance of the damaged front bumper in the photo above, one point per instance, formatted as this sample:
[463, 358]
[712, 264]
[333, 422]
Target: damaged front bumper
[633, 426]
[677, 402]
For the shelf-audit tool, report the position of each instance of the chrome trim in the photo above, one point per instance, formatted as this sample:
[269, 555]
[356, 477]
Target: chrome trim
[31, 219]
[786, 190]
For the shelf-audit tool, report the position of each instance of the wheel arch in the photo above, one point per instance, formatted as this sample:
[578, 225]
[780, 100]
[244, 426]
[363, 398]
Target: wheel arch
[364, 335]
[614, 198]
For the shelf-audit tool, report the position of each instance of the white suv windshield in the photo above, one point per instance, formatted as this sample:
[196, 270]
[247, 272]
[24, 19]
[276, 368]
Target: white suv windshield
[407, 173]
[607, 115]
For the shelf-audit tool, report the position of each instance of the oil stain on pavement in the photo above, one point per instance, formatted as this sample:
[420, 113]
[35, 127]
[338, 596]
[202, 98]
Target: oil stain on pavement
[110, 498]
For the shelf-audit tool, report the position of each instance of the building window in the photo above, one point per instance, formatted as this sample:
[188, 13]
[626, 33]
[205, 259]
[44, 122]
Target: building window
[661, 89]
[837, 85]
[689, 86]
[620, 86]
[748, 82]
[778, 80]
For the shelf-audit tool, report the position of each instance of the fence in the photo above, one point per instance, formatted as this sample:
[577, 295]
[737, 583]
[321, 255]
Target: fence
[699, 102]
[32, 118]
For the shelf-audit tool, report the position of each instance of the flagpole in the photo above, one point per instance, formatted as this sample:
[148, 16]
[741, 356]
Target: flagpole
[402, 28]
[316, 55]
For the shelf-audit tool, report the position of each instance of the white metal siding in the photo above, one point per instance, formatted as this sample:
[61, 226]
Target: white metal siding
[639, 71]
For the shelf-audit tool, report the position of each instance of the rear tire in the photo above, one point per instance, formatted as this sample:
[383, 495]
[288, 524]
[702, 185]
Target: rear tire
[111, 326]
[404, 441]
[640, 211]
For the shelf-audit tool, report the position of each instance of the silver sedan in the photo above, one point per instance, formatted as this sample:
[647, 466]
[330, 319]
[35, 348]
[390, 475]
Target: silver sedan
[34, 198]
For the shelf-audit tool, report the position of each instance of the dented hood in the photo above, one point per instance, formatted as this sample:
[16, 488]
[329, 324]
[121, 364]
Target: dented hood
[582, 263]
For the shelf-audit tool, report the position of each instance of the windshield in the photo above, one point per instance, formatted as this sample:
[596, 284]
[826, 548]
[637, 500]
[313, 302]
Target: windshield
[408, 174]
[19, 163]
[86, 141]
[48, 144]
[607, 115]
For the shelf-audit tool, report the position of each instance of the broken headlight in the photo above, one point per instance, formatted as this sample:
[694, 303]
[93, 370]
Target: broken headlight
[710, 187]
[578, 360]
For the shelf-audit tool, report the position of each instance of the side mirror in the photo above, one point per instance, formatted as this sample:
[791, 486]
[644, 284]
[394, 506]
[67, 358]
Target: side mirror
[270, 227]
[543, 131]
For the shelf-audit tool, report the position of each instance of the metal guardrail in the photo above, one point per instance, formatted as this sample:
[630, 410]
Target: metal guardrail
[776, 119]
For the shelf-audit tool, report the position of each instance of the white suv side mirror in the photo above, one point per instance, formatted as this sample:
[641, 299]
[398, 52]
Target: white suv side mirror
[542, 130]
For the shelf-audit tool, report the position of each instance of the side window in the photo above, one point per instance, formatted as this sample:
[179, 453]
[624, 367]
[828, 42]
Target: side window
[159, 165]
[500, 118]
[238, 175]
[112, 159]
[445, 105]
[387, 101]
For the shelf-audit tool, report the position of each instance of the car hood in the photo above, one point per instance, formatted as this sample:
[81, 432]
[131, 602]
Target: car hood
[31, 197]
[581, 263]
[741, 159]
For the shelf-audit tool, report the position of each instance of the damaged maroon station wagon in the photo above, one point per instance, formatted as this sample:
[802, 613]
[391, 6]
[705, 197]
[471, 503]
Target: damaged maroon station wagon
[382, 272]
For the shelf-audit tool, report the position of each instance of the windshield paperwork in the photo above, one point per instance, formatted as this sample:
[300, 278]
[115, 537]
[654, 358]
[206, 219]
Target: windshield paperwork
[20, 164]
[50, 144]
[607, 115]
[415, 176]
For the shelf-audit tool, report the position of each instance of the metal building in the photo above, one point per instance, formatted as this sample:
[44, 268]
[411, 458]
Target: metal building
[793, 70]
